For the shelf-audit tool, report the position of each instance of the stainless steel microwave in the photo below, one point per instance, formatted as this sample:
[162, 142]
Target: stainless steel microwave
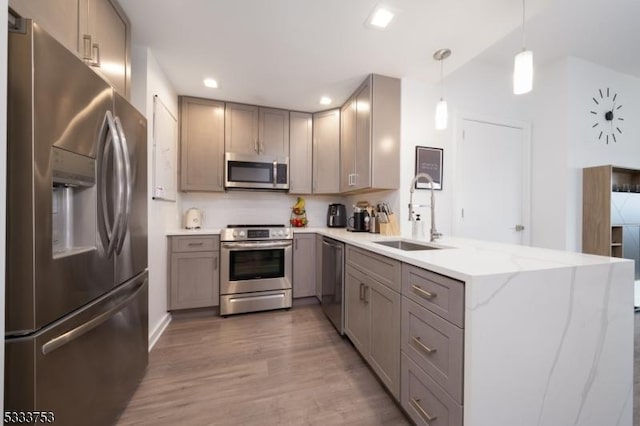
[255, 172]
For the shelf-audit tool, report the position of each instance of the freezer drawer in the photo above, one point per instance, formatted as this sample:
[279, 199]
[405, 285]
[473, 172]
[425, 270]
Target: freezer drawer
[85, 367]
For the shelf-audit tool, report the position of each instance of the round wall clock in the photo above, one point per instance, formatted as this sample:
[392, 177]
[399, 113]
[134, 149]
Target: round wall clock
[606, 111]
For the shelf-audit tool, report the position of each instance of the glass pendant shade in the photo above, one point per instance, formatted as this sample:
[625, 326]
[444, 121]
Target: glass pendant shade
[442, 115]
[523, 72]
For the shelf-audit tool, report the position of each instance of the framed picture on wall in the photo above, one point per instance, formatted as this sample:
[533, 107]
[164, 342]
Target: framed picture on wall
[429, 161]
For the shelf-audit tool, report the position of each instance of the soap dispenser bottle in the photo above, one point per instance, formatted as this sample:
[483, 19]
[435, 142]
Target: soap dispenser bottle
[417, 228]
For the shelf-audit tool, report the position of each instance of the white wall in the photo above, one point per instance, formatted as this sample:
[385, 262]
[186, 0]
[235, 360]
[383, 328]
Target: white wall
[476, 88]
[243, 207]
[148, 80]
[3, 172]
[583, 147]
[564, 142]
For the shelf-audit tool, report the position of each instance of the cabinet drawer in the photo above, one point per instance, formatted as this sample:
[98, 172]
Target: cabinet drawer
[442, 295]
[204, 243]
[435, 345]
[424, 400]
[384, 269]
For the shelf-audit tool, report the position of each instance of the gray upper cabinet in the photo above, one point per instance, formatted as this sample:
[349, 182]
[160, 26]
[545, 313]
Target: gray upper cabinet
[370, 136]
[104, 41]
[241, 128]
[201, 144]
[326, 152]
[98, 31]
[59, 18]
[273, 137]
[300, 142]
[253, 130]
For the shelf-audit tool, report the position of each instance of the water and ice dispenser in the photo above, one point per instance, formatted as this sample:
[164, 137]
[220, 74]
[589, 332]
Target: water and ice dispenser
[73, 209]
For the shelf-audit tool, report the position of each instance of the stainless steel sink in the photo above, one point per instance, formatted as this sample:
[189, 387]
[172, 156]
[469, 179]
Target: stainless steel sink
[406, 245]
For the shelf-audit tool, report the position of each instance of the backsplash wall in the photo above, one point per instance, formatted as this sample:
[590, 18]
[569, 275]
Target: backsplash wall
[254, 207]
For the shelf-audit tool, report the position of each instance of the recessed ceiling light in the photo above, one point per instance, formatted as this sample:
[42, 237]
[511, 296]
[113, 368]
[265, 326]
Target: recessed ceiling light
[211, 83]
[380, 18]
[325, 100]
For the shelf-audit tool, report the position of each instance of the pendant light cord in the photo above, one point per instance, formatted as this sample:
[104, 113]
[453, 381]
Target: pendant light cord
[441, 79]
[523, 20]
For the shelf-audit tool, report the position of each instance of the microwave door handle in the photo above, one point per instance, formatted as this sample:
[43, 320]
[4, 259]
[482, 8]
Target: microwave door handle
[126, 181]
[117, 156]
[275, 173]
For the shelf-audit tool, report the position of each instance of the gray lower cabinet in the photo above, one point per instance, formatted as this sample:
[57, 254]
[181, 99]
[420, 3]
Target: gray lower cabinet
[201, 144]
[300, 152]
[194, 276]
[432, 347]
[372, 313]
[319, 267]
[304, 265]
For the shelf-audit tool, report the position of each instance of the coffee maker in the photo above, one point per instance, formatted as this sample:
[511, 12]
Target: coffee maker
[337, 216]
[359, 222]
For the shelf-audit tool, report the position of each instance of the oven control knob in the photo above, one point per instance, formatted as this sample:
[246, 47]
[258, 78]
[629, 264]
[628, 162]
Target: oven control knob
[280, 233]
[235, 234]
[241, 234]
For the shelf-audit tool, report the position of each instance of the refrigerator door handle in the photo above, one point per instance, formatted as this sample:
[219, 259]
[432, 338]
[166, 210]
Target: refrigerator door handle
[127, 183]
[112, 139]
[75, 333]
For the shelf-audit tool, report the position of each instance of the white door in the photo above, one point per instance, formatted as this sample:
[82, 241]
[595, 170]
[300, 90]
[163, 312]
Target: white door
[491, 195]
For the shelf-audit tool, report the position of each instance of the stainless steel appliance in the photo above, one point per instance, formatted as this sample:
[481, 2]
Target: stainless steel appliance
[337, 216]
[255, 268]
[256, 172]
[76, 337]
[333, 282]
[193, 219]
[359, 222]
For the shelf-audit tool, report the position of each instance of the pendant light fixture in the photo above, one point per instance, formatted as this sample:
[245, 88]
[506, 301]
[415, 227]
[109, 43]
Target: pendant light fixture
[523, 65]
[442, 113]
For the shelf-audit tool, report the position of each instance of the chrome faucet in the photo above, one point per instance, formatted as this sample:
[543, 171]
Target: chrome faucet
[434, 234]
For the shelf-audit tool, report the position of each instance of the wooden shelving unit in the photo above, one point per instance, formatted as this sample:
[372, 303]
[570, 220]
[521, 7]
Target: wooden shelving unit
[599, 235]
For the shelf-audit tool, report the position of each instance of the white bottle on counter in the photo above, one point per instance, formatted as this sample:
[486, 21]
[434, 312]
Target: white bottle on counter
[417, 228]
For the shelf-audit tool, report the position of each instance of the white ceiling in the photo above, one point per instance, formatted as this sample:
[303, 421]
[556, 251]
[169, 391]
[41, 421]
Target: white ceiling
[287, 53]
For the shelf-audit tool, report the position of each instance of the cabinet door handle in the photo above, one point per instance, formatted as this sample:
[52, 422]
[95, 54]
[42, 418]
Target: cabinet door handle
[416, 404]
[361, 291]
[423, 293]
[220, 180]
[425, 348]
[261, 147]
[215, 263]
[296, 243]
[96, 50]
[195, 244]
[86, 48]
[366, 292]
[255, 145]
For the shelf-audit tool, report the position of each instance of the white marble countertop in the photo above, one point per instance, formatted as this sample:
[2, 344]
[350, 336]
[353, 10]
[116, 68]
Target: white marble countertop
[458, 258]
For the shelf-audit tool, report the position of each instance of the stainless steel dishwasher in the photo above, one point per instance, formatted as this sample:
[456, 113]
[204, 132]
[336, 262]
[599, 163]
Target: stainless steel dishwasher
[333, 282]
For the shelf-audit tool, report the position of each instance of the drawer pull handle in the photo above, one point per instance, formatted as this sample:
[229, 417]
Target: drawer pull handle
[416, 403]
[195, 244]
[423, 293]
[422, 345]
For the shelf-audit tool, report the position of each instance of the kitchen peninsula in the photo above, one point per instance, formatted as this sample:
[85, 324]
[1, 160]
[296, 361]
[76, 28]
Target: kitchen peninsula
[547, 336]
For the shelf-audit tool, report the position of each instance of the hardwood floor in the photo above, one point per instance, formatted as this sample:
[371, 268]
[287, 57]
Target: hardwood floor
[270, 368]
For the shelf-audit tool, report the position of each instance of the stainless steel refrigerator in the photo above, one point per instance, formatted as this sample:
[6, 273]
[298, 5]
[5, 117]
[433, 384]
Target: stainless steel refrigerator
[77, 281]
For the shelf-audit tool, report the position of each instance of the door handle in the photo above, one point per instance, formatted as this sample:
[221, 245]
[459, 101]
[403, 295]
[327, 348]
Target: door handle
[275, 172]
[361, 291]
[73, 334]
[416, 404]
[126, 182]
[86, 48]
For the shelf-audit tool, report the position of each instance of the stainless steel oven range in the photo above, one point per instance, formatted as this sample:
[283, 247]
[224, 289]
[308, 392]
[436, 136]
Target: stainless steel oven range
[255, 268]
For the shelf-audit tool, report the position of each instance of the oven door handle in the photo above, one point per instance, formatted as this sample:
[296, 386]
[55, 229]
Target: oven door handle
[257, 245]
